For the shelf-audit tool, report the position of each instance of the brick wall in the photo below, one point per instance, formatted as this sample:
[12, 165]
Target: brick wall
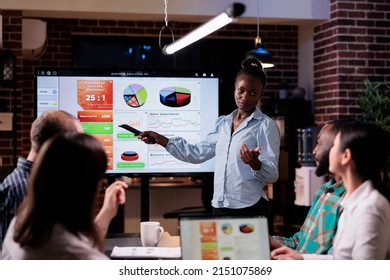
[352, 46]
[12, 39]
[280, 41]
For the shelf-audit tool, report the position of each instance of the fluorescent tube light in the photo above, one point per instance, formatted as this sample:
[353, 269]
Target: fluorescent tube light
[219, 21]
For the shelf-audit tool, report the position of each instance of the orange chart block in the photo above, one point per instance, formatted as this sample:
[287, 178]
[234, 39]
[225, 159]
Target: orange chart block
[94, 94]
[208, 229]
[109, 151]
[110, 164]
[105, 139]
[95, 116]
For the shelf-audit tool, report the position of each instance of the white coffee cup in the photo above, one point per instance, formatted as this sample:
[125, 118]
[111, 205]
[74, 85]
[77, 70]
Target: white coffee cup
[151, 233]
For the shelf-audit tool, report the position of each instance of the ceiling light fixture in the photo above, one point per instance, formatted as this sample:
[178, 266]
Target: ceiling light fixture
[231, 13]
[259, 52]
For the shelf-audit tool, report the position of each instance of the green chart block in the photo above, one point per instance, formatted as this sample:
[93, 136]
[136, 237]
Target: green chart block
[97, 127]
[208, 245]
[126, 136]
[130, 165]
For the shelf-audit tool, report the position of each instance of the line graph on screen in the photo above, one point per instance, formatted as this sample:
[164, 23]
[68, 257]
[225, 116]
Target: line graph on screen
[176, 121]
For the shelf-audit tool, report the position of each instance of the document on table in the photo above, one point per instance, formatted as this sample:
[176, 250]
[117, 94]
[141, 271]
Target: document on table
[146, 252]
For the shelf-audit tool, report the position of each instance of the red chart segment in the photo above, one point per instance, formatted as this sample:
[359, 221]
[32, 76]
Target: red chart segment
[135, 95]
[175, 96]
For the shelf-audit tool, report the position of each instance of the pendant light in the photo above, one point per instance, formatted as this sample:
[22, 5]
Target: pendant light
[259, 52]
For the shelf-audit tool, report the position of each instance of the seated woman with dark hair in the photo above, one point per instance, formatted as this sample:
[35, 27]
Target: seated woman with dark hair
[56, 220]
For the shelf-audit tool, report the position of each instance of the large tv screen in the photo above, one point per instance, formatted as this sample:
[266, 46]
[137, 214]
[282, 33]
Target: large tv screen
[171, 102]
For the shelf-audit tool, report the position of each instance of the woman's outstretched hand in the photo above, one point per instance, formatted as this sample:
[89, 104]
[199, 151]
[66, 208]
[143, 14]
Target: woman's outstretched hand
[251, 157]
[151, 137]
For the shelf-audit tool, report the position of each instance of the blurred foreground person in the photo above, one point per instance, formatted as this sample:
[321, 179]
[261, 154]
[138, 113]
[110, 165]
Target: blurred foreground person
[14, 187]
[56, 219]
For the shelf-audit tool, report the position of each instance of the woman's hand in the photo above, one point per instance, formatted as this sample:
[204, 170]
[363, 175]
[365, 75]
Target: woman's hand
[114, 196]
[147, 137]
[251, 157]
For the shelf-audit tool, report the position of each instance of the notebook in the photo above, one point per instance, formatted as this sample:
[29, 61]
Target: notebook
[146, 252]
[206, 237]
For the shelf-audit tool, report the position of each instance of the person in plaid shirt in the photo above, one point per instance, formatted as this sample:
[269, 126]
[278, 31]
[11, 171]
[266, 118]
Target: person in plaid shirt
[318, 230]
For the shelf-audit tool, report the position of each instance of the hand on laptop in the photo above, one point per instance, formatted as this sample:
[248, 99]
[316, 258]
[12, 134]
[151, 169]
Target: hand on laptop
[285, 253]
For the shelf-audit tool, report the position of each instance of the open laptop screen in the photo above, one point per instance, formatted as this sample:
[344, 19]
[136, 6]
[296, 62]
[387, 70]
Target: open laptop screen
[224, 238]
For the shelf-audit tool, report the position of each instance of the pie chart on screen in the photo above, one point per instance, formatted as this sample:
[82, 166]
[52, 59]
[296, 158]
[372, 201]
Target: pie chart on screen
[175, 96]
[135, 95]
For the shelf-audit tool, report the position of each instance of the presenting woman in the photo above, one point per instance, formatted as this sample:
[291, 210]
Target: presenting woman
[245, 144]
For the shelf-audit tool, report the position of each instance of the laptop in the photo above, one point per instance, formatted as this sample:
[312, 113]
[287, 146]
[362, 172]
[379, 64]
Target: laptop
[210, 237]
